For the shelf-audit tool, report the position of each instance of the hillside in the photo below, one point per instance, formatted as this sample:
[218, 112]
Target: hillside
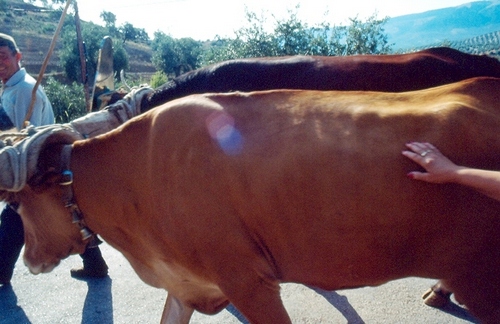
[444, 25]
[472, 28]
[24, 22]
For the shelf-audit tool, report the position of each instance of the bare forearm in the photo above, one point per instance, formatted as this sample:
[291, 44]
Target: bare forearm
[484, 181]
[439, 169]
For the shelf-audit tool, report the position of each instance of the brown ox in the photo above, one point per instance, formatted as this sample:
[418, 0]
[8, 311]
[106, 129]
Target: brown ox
[390, 73]
[219, 198]
[395, 73]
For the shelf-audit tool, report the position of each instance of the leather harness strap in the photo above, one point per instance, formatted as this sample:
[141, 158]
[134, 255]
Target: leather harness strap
[69, 197]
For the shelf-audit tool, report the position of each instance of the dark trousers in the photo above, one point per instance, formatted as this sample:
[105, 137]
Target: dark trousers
[11, 241]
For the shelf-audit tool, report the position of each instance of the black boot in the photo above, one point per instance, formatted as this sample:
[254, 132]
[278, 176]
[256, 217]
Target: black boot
[94, 265]
[11, 242]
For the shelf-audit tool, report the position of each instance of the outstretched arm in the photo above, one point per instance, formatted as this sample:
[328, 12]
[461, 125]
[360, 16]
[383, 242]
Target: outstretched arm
[439, 169]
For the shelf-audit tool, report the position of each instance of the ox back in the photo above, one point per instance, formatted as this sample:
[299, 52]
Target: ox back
[221, 197]
[394, 73]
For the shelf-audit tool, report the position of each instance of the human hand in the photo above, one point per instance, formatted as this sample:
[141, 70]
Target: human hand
[439, 168]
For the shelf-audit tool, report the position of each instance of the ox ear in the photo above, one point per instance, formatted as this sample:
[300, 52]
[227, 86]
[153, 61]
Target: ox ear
[48, 170]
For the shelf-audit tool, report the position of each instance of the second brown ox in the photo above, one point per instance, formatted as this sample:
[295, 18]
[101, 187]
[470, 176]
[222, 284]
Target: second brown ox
[219, 198]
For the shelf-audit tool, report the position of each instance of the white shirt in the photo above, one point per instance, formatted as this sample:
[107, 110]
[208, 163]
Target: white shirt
[16, 98]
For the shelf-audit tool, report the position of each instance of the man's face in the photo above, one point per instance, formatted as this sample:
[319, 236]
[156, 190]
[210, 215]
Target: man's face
[9, 63]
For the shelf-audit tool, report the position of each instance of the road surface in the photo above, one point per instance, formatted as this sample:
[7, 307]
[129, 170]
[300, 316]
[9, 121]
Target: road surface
[124, 298]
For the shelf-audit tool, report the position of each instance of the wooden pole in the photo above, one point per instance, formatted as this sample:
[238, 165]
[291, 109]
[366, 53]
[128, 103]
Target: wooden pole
[44, 66]
[83, 63]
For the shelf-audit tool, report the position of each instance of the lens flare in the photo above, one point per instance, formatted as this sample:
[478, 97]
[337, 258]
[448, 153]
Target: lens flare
[221, 128]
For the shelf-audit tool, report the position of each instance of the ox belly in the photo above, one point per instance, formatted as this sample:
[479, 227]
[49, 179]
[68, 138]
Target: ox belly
[250, 190]
[189, 288]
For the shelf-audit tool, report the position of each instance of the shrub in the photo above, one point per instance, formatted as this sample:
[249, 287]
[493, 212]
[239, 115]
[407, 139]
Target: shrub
[68, 101]
[158, 79]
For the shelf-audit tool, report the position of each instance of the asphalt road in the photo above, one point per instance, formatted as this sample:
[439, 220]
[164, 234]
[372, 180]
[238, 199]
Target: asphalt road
[124, 298]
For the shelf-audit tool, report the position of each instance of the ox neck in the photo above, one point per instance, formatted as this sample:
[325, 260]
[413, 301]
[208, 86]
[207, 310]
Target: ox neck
[69, 200]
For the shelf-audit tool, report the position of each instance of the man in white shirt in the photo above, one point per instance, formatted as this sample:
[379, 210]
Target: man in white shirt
[15, 99]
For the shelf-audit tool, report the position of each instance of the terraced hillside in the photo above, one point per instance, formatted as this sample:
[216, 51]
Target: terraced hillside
[33, 28]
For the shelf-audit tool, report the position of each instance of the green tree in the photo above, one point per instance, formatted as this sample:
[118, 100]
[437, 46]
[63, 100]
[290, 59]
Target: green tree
[109, 19]
[174, 56]
[142, 36]
[291, 36]
[366, 37]
[120, 60]
[221, 49]
[128, 32]
[92, 36]
[253, 40]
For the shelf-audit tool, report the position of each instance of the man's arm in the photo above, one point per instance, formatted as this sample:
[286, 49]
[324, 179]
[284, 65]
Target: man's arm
[22, 103]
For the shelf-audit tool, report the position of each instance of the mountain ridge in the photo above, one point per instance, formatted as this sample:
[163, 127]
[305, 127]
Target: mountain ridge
[443, 25]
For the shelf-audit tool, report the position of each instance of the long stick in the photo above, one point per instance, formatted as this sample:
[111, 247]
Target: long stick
[82, 58]
[44, 66]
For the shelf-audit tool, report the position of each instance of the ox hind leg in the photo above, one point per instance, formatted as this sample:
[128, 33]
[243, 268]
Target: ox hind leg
[175, 312]
[480, 294]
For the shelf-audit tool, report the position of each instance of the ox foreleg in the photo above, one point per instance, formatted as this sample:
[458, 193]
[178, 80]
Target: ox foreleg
[176, 312]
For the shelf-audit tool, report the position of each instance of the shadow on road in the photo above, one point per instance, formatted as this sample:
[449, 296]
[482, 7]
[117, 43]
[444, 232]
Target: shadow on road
[459, 312]
[341, 304]
[338, 301]
[98, 305]
[236, 313]
[10, 312]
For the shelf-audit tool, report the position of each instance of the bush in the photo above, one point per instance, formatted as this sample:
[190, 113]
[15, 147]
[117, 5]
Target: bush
[158, 79]
[68, 101]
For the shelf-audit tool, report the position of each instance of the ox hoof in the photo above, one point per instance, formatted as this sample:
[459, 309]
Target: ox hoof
[436, 299]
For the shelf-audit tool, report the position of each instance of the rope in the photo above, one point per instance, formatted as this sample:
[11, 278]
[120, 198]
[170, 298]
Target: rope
[29, 113]
[112, 116]
[19, 162]
[14, 178]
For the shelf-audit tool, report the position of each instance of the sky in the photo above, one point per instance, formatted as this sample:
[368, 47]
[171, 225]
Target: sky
[205, 19]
